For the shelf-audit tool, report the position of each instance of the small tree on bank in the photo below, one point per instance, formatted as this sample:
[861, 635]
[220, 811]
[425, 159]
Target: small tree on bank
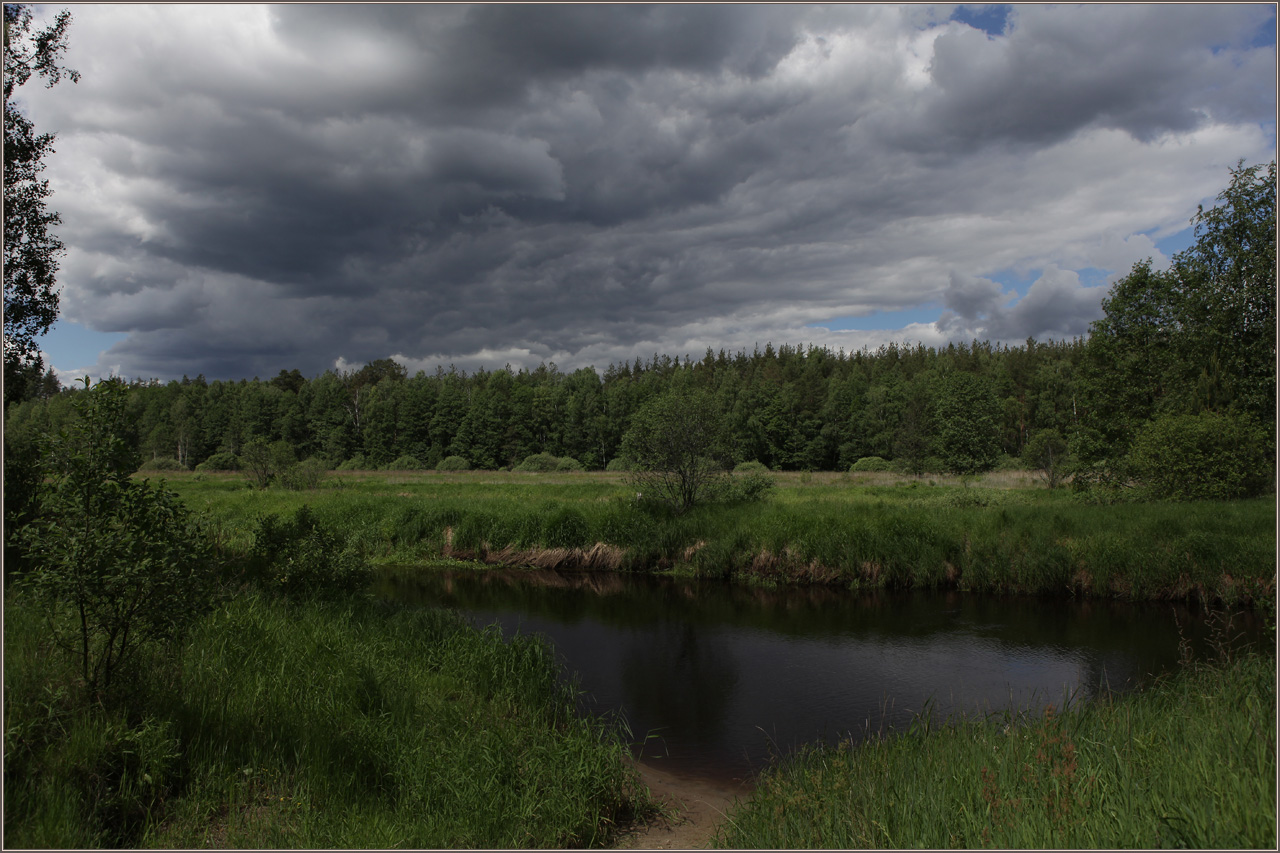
[675, 445]
[1047, 453]
[118, 564]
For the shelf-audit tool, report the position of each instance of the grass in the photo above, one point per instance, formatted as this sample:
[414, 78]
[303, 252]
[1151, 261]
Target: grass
[1190, 763]
[310, 725]
[1003, 534]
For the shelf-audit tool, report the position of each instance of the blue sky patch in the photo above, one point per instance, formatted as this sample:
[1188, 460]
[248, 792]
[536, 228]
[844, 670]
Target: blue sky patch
[70, 346]
[988, 17]
[926, 313]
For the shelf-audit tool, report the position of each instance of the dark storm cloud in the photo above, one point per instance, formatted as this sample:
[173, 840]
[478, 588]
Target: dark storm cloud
[1143, 69]
[254, 189]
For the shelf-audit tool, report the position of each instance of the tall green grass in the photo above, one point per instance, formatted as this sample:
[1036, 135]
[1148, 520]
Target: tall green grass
[1190, 763]
[349, 725]
[830, 530]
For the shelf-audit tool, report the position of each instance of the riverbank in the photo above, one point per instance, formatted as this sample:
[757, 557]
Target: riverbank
[1190, 762]
[1000, 535]
[307, 725]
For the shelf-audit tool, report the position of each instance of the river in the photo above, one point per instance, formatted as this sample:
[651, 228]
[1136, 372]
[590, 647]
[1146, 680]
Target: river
[715, 679]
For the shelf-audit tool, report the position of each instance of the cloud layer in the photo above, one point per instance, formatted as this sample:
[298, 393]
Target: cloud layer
[246, 189]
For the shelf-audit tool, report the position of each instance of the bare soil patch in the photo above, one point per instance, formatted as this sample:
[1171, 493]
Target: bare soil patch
[695, 807]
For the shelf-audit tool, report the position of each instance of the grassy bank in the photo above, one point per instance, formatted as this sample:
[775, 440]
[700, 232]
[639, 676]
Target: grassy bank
[1188, 763]
[1002, 535]
[309, 725]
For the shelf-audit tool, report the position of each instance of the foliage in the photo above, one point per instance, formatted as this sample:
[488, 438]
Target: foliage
[299, 557]
[305, 475]
[871, 463]
[405, 463]
[676, 443]
[355, 463]
[30, 248]
[453, 463]
[223, 460]
[265, 463]
[1046, 451]
[118, 564]
[568, 463]
[750, 485]
[162, 463]
[752, 466]
[539, 463]
[966, 415]
[618, 463]
[1201, 457]
[1199, 336]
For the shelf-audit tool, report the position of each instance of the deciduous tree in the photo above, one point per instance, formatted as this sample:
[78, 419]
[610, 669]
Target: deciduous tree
[31, 249]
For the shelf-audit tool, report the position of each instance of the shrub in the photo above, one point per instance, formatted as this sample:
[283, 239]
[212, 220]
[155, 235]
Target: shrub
[453, 463]
[751, 485]
[355, 463]
[307, 474]
[539, 463]
[752, 466]
[162, 463]
[1209, 456]
[618, 463]
[299, 558]
[1046, 452]
[870, 463]
[264, 462]
[406, 463]
[568, 463]
[223, 460]
[130, 560]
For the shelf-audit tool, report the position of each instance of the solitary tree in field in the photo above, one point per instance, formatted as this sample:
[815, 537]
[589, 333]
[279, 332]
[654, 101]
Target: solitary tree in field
[676, 446]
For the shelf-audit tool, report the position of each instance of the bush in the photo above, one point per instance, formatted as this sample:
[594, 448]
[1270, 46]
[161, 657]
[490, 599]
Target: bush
[870, 463]
[1046, 452]
[1209, 456]
[752, 485]
[752, 466]
[307, 474]
[355, 463]
[132, 563]
[617, 464]
[568, 463]
[539, 463]
[163, 463]
[298, 558]
[223, 460]
[406, 463]
[453, 463]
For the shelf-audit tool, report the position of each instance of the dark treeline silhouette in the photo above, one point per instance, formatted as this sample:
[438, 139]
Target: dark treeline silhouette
[791, 408]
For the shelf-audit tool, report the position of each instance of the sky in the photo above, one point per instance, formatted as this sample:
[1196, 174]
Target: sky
[246, 189]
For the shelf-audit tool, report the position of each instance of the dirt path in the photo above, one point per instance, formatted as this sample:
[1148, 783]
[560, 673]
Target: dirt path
[697, 807]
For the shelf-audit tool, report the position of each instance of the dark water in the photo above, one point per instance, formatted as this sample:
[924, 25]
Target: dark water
[715, 679]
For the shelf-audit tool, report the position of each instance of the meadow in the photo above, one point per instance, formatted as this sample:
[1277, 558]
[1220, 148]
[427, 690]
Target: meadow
[1002, 533]
[305, 724]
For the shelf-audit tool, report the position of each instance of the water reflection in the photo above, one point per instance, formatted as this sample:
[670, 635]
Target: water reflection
[717, 678]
